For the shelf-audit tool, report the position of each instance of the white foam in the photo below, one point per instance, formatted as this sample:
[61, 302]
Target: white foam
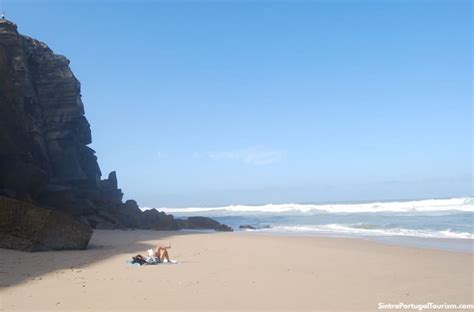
[350, 230]
[465, 204]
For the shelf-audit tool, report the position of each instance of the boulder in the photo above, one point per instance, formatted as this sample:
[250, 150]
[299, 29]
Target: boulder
[26, 227]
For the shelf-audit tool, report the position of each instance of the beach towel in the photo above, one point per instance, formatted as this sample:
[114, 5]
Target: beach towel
[129, 262]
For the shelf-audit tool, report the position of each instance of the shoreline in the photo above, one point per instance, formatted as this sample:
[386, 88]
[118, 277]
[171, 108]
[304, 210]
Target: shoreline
[458, 245]
[233, 272]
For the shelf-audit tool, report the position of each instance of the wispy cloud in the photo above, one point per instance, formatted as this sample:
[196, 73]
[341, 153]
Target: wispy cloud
[257, 156]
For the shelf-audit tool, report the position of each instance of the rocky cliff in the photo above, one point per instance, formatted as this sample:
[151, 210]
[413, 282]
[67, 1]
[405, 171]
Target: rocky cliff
[44, 135]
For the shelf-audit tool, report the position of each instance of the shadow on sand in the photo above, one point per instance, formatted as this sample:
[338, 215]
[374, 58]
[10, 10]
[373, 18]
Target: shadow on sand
[18, 267]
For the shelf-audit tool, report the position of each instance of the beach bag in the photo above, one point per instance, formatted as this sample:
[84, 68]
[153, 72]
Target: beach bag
[140, 261]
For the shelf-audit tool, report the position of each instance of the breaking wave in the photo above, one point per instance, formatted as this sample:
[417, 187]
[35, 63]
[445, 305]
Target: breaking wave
[454, 205]
[359, 230]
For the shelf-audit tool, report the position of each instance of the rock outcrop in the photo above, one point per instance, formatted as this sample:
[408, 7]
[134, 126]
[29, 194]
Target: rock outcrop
[195, 223]
[44, 136]
[27, 227]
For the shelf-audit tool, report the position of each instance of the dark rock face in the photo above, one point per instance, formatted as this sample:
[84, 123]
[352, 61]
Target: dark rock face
[43, 129]
[195, 223]
[44, 157]
[27, 227]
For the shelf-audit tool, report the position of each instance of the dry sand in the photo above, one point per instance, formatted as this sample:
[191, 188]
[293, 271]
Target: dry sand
[232, 272]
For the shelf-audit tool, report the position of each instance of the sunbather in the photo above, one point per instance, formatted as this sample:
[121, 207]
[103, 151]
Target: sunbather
[159, 254]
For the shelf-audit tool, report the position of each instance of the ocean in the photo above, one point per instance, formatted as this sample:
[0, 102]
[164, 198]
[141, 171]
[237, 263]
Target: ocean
[435, 223]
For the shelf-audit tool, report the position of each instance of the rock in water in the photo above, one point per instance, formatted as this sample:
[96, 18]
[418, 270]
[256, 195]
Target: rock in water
[247, 227]
[27, 227]
[195, 223]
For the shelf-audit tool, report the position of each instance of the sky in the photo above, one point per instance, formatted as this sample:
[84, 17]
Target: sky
[205, 103]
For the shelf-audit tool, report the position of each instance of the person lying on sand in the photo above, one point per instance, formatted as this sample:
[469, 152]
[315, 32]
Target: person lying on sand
[154, 256]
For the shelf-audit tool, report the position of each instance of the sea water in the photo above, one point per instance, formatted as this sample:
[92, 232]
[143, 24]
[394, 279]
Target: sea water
[435, 223]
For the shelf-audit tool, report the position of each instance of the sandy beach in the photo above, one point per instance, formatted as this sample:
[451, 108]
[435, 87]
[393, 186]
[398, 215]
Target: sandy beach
[232, 271]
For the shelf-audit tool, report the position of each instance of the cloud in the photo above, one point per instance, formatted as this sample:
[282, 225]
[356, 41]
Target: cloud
[257, 156]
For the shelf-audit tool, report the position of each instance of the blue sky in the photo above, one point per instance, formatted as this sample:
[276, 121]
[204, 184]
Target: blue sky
[200, 103]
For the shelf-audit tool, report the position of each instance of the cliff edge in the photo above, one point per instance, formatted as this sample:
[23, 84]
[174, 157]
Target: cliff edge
[45, 159]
